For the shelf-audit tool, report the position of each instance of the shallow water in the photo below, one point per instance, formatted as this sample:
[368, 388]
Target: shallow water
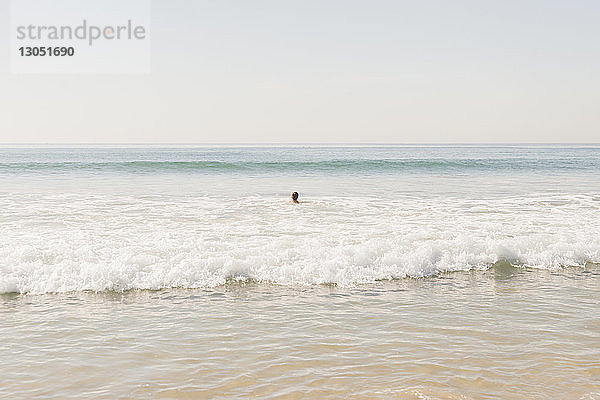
[509, 333]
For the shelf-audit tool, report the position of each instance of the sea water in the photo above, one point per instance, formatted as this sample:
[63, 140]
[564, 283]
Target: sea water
[405, 271]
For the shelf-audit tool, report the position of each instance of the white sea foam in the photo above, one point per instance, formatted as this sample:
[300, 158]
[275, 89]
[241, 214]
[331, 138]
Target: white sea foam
[61, 243]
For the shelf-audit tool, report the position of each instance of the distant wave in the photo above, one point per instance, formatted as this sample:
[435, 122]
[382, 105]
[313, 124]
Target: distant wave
[357, 166]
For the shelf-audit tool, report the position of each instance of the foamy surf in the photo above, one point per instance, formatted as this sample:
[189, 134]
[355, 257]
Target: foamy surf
[78, 242]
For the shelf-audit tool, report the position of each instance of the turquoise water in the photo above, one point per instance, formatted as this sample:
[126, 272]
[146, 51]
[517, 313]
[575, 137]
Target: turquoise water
[343, 171]
[304, 160]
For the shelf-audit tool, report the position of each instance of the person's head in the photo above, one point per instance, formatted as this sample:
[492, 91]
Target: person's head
[295, 196]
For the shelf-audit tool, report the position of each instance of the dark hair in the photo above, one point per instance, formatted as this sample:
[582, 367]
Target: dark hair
[295, 196]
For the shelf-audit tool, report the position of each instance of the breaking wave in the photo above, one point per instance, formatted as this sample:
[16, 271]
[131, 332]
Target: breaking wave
[62, 243]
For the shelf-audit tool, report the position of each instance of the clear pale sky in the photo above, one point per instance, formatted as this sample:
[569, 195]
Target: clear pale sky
[331, 71]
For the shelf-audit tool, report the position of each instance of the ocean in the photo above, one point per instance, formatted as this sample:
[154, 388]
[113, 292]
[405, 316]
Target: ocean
[406, 271]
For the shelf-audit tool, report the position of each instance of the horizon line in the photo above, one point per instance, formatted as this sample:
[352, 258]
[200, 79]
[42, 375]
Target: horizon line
[295, 143]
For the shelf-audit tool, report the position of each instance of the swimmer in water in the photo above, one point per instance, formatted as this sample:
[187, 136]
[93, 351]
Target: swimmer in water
[295, 198]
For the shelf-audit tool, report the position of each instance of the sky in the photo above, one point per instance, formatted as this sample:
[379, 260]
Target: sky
[287, 71]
